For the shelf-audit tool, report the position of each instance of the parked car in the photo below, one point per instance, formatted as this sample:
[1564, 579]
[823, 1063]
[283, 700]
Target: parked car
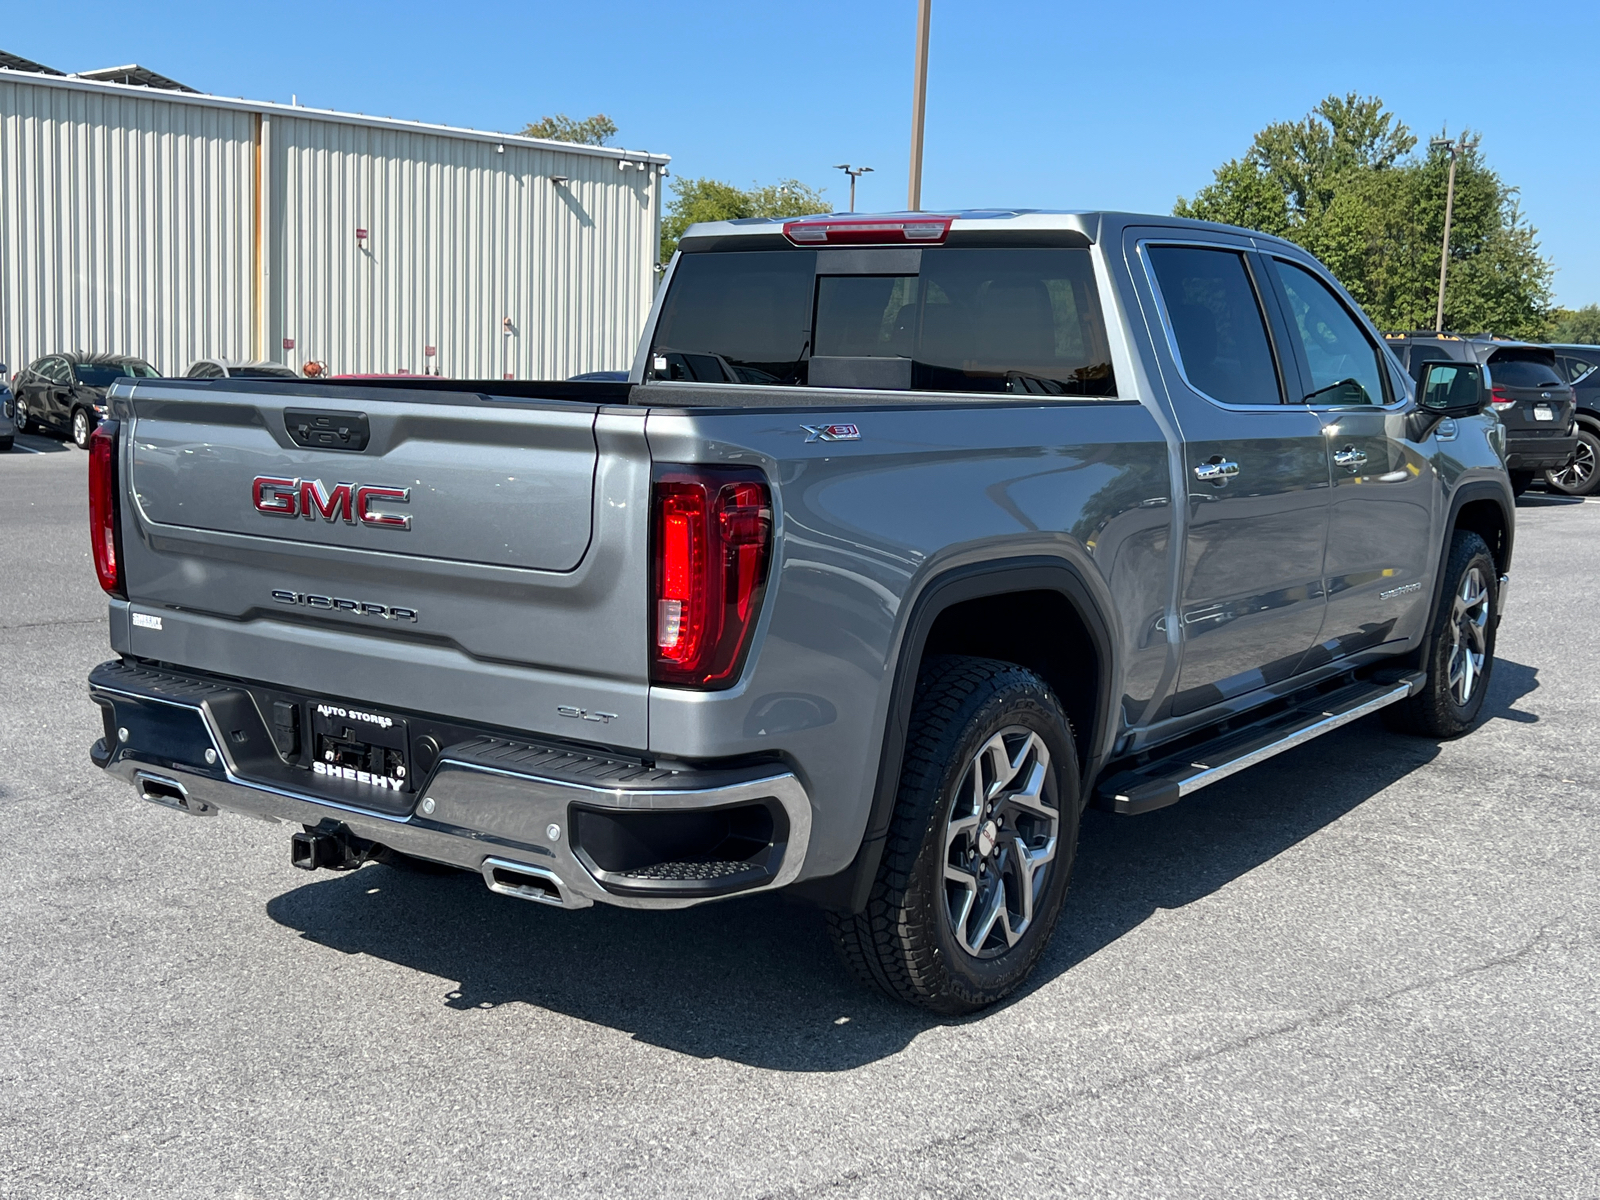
[1536, 405]
[8, 414]
[1579, 366]
[67, 392]
[234, 368]
[1029, 511]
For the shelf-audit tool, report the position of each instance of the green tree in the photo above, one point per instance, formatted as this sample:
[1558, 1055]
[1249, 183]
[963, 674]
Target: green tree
[592, 131]
[1345, 184]
[696, 200]
[1576, 325]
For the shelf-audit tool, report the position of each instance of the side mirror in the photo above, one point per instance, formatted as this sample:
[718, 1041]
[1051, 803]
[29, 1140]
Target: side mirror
[1452, 389]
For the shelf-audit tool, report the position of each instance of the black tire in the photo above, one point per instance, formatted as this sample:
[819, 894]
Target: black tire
[24, 422]
[82, 428]
[1521, 481]
[1581, 476]
[906, 942]
[1438, 711]
[5, 445]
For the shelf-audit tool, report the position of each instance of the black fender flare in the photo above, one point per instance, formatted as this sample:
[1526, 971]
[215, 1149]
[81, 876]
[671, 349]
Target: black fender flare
[849, 890]
[1467, 493]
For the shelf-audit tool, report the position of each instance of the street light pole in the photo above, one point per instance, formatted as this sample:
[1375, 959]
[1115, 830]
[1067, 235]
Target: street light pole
[854, 173]
[1456, 148]
[919, 102]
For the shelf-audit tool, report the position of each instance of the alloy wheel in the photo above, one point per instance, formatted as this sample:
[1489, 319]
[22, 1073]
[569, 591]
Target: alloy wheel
[22, 415]
[1000, 842]
[1469, 629]
[1578, 472]
[80, 428]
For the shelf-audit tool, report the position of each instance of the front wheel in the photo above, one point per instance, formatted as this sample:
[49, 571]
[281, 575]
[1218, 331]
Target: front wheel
[82, 428]
[1459, 652]
[24, 421]
[1578, 477]
[981, 844]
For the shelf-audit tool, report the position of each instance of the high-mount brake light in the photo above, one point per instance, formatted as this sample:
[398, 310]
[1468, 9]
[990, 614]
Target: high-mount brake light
[105, 512]
[711, 542]
[867, 231]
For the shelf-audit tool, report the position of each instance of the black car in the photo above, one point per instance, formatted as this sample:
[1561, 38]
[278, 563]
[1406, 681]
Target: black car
[8, 413]
[1536, 405]
[1580, 367]
[67, 392]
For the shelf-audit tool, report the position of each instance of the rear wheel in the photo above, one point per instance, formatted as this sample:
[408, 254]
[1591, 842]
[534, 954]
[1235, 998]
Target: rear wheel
[1459, 652]
[1520, 481]
[82, 428]
[981, 844]
[1578, 477]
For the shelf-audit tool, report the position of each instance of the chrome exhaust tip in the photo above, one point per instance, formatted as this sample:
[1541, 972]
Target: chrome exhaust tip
[527, 883]
[169, 793]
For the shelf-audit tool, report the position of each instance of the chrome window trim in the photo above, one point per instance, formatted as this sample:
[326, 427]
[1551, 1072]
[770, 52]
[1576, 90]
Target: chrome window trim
[1172, 336]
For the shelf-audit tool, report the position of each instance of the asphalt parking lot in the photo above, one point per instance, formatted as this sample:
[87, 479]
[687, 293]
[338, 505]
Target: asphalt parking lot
[1367, 968]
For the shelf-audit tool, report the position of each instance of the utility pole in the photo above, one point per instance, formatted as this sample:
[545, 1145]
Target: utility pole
[1457, 148]
[854, 173]
[919, 102]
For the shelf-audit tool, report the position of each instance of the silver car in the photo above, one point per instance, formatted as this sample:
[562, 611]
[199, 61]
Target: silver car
[238, 368]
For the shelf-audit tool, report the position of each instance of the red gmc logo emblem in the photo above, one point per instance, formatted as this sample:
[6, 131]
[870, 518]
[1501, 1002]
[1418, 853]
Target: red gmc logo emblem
[348, 502]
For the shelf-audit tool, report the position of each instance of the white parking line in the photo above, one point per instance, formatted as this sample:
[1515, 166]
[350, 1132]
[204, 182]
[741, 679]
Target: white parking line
[15, 446]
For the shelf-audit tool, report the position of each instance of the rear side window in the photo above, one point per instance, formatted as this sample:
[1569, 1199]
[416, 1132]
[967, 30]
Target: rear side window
[1004, 320]
[105, 374]
[1345, 365]
[1574, 368]
[1509, 370]
[1217, 323]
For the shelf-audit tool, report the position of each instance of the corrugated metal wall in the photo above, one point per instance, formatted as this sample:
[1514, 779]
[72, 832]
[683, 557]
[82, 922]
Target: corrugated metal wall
[460, 236]
[125, 226]
[179, 227]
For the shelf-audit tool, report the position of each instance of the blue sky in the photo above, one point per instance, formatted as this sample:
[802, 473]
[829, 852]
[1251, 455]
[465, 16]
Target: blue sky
[1029, 103]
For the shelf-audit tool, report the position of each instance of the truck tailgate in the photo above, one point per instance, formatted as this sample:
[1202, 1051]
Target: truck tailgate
[475, 558]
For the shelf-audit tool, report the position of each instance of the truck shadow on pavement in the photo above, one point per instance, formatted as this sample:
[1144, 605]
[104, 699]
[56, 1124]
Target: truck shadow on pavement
[756, 981]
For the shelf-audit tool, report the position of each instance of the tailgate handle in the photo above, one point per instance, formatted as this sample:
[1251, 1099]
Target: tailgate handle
[327, 429]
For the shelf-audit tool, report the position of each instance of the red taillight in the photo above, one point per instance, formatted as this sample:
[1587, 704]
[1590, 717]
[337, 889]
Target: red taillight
[711, 542]
[104, 533]
[1499, 401]
[912, 229]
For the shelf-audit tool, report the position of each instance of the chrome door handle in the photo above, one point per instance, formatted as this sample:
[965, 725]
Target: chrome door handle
[1218, 470]
[1350, 458]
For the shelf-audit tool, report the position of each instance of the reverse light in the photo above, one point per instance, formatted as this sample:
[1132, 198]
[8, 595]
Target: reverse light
[1499, 401]
[105, 530]
[711, 543]
[867, 231]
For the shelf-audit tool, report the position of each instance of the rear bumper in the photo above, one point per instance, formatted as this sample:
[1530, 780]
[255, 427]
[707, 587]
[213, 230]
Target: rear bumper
[1539, 452]
[503, 808]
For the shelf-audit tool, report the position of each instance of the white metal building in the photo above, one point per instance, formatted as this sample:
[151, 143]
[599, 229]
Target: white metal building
[178, 226]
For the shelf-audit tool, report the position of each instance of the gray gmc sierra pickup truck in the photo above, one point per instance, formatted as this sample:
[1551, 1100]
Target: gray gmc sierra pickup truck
[907, 538]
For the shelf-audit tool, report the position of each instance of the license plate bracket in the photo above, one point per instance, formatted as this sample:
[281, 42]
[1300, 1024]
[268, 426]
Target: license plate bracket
[360, 745]
[1543, 412]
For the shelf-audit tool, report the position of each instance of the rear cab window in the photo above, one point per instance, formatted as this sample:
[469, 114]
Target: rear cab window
[1008, 320]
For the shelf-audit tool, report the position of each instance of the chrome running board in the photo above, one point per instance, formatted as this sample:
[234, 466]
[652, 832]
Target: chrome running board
[1166, 781]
